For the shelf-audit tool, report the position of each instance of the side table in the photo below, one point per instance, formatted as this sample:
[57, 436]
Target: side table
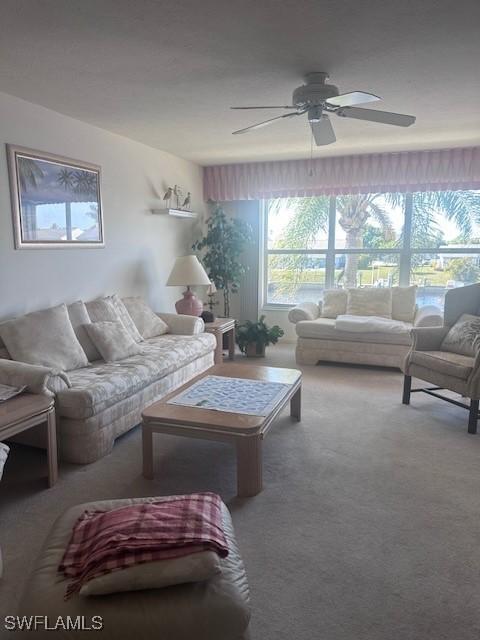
[219, 327]
[28, 410]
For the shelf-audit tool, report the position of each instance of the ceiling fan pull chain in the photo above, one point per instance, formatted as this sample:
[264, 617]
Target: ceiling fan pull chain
[311, 171]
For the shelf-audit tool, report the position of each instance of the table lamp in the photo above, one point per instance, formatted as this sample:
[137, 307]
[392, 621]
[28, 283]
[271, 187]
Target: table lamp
[188, 271]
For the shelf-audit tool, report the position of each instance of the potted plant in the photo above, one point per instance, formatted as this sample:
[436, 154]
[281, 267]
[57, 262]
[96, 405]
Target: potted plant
[253, 337]
[221, 248]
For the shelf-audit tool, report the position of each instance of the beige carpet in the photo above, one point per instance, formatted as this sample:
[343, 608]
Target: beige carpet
[368, 526]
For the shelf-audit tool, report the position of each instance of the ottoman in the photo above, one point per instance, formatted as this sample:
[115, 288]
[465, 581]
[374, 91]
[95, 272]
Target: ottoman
[217, 609]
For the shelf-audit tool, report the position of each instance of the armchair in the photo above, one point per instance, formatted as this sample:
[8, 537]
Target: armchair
[446, 370]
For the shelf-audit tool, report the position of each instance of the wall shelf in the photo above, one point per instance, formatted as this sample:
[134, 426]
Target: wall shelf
[177, 213]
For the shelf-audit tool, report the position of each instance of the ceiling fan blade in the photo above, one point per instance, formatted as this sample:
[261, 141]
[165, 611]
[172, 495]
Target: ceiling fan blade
[384, 117]
[270, 107]
[259, 125]
[351, 99]
[323, 131]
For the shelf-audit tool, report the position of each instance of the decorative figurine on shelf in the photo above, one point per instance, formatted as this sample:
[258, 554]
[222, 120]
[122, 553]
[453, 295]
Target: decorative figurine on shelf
[177, 192]
[186, 202]
[167, 197]
[209, 316]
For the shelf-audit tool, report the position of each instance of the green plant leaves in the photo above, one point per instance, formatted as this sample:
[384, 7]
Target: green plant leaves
[221, 248]
[257, 332]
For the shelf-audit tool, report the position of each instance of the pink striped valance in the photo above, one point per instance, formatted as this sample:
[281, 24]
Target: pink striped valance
[440, 170]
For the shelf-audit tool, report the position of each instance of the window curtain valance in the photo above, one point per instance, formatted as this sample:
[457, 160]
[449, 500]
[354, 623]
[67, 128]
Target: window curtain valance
[440, 170]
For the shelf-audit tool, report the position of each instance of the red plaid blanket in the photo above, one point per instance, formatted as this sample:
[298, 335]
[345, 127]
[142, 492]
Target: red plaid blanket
[106, 541]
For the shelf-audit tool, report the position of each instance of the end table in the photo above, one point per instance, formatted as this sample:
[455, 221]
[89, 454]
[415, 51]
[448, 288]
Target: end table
[28, 410]
[218, 328]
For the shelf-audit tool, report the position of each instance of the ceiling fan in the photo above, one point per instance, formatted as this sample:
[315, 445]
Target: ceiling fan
[318, 99]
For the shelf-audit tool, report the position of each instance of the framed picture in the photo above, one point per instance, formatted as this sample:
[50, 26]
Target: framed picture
[55, 201]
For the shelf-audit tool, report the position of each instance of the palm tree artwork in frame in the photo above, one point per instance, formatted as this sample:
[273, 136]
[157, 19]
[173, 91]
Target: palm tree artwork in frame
[55, 200]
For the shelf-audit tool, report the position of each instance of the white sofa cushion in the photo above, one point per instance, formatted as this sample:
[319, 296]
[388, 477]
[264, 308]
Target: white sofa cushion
[369, 302]
[112, 309]
[448, 364]
[147, 322]
[126, 318]
[78, 314]
[112, 340]
[371, 324]
[404, 303]
[195, 567]
[334, 303]
[324, 329]
[102, 310]
[45, 338]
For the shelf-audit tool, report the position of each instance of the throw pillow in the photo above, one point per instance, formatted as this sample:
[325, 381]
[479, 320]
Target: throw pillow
[464, 337]
[44, 337]
[147, 322]
[102, 310]
[334, 303]
[404, 302]
[125, 318]
[195, 567]
[370, 302]
[3, 351]
[78, 314]
[112, 309]
[112, 340]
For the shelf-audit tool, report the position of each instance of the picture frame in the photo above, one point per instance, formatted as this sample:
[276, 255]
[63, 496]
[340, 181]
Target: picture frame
[56, 201]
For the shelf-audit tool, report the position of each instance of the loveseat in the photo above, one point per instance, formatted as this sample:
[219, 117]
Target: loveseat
[96, 401]
[360, 326]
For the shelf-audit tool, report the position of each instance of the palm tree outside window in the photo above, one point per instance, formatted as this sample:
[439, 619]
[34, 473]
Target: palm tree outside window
[431, 239]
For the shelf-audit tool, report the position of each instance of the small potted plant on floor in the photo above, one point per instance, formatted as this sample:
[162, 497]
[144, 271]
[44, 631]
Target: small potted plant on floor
[253, 337]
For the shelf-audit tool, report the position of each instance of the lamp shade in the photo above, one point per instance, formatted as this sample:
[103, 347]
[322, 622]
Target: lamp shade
[211, 289]
[187, 270]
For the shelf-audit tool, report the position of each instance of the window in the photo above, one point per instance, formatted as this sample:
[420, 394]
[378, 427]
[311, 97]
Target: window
[431, 239]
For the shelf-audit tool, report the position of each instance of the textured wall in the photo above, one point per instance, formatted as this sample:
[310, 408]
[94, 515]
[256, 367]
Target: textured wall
[140, 247]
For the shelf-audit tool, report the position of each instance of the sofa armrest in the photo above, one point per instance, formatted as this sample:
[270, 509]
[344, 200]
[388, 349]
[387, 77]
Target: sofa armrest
[182, 324]
[428, 338]
[305, 311]
[35, 378]
[428, 316]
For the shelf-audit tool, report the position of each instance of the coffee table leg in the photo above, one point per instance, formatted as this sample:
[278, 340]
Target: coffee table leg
[249, 466]
[296, 405]
[52, 449]
[147, 444]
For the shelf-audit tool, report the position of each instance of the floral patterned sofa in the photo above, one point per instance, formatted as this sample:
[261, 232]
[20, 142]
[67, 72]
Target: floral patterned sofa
[97, 403]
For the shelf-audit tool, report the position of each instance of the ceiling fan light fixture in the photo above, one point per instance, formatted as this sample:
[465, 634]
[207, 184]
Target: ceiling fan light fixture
[320, 100]
[314, 114]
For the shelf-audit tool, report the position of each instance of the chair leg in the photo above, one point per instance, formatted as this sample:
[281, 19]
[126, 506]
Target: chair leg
[407, 387]
[473, 416]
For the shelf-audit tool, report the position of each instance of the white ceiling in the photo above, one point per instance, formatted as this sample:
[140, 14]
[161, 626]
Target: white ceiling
[165, 72]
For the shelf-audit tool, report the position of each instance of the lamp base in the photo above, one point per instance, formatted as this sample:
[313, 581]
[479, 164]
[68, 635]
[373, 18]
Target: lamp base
[189, 305]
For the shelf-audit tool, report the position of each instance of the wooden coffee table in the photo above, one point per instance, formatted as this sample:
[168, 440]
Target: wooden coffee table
[246, 432]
